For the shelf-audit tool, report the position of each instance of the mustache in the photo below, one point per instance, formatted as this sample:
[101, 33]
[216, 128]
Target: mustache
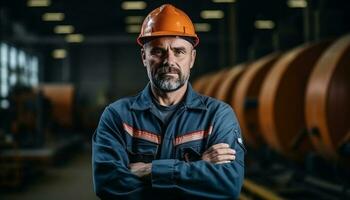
[168, 69]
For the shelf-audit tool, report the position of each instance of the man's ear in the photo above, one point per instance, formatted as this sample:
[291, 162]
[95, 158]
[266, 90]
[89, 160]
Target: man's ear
[143, 56]
[193, 55]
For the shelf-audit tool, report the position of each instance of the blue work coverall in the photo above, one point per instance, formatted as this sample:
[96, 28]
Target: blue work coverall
[129, 131]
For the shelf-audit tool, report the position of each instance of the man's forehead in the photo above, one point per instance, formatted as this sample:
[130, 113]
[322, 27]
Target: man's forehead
[175, 41]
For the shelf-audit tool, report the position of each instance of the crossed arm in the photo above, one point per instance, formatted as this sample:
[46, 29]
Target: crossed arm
[218, 175]
[217, 154]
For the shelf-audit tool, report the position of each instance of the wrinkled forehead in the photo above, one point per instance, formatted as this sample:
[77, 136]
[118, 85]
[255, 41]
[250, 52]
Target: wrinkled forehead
[173, 41]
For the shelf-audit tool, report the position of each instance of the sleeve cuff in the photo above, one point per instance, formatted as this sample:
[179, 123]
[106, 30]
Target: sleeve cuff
[163, 173]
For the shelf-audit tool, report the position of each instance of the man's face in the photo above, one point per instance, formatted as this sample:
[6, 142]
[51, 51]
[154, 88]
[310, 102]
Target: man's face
[168, 61]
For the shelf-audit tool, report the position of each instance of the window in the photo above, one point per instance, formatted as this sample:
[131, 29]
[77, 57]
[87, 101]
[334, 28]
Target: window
[4, 87]
[33, 72]
[16, 68]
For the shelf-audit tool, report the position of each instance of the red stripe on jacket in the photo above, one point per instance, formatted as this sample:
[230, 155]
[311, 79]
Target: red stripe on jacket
[189, 137]
[133, 132]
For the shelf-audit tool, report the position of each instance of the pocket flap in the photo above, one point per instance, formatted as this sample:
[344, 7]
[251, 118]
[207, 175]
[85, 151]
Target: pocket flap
[190, 154]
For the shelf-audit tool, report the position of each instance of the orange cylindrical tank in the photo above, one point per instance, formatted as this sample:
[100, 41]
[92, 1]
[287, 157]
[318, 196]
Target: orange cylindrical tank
[246, 98]
[199, 84]
[228, 85]
[205, 82]
[281, 100]
[214, 82]
[328, 100]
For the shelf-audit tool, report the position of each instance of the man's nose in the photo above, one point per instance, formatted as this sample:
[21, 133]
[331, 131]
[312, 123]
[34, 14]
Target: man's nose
[169, 58]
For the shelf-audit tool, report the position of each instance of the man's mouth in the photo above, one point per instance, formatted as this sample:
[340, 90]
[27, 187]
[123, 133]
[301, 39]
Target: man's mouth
[168, 70]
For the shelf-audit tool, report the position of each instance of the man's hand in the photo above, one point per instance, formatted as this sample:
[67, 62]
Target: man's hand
[141, 169]
[219, 153]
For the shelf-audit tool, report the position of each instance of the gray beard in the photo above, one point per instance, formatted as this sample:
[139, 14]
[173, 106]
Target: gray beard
[168, 84]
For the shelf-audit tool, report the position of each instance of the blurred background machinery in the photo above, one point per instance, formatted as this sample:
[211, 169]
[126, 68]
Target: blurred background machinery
[283, 66]
[293, 108]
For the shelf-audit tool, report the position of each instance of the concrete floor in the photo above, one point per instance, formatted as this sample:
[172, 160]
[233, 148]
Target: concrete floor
[71, 181]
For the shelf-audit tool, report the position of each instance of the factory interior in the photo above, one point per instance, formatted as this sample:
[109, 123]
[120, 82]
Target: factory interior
[282, 65]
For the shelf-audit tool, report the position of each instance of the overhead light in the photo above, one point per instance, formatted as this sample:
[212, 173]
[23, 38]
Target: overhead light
[134, 5]
[38, 3]
[53, 17]
[59, 53]
[134, 19]
[133, 28]
[264, 24]
[74, 38]
[297, 3]
[224, 1]
[212, 14]
[64, 29]
[202, 27]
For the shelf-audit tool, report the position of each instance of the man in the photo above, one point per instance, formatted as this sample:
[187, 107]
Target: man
[168, 142]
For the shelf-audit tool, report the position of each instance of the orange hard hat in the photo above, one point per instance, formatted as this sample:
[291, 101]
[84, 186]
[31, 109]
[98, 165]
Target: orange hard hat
[167, 21]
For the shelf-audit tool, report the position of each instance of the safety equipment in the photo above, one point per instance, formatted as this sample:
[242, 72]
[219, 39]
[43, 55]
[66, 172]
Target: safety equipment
[167, 20]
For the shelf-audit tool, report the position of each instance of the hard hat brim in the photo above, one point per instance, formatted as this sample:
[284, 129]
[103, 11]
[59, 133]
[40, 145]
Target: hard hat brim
[146, 38]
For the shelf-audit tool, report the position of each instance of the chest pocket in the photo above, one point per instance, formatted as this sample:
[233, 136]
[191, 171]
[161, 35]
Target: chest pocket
[142, 146]
[189, 147]
[142, 151]
[189, 152]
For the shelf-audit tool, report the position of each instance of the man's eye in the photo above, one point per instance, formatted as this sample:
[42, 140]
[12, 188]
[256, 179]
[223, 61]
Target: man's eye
[179, 52]
[157, 52]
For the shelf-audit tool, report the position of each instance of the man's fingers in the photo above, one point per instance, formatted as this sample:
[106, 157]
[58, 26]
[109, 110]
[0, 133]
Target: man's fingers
[223, 151]
[223, 162]
[218, 146]
[219, 153]
[223, 158]
[137, 164]
[140, 169]
[219, 158]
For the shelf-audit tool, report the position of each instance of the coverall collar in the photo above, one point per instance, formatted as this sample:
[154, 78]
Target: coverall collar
[192, 99]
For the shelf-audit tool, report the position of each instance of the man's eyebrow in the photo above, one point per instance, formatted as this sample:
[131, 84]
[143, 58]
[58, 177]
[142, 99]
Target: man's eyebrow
[157, 48]
[179, 48]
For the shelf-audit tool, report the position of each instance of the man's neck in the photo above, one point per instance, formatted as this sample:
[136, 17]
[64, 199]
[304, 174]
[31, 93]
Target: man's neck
[169, 98]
